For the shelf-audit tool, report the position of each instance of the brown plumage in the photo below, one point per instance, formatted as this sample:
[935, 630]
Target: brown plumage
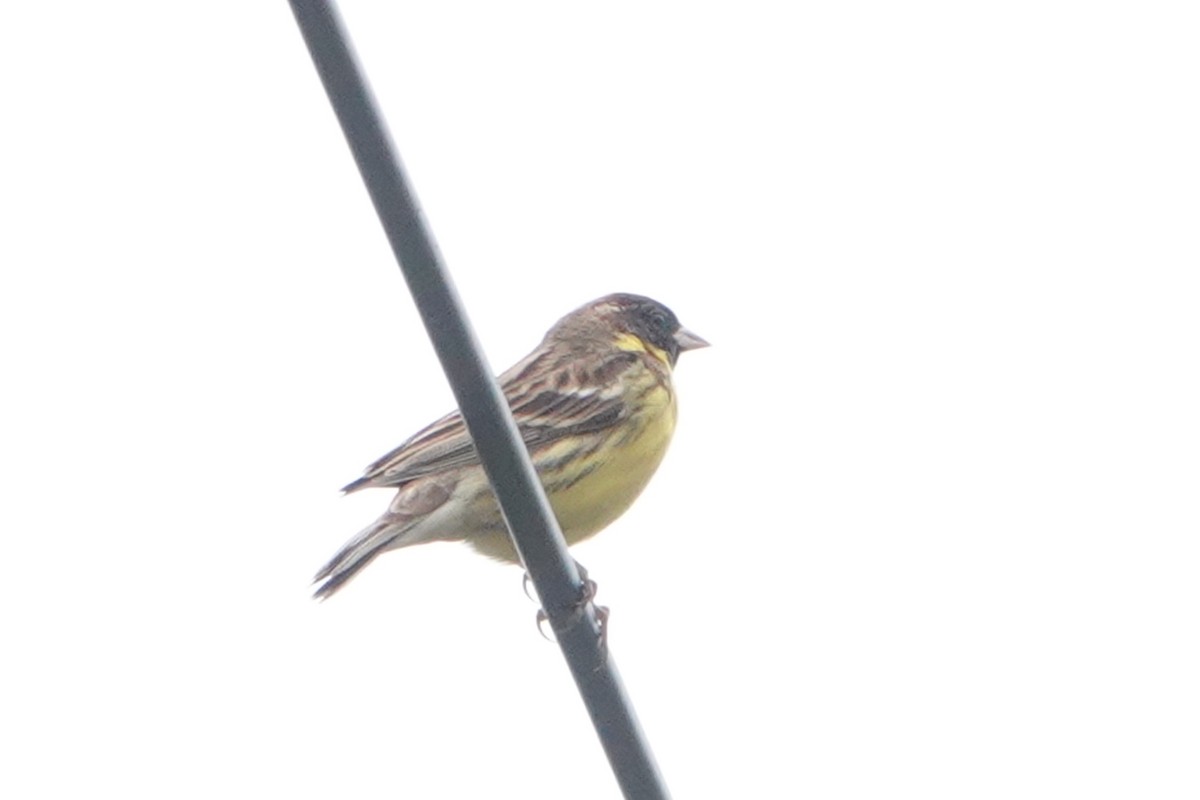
[594, 405]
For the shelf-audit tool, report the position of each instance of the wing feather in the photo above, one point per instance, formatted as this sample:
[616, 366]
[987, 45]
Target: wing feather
[549, 399]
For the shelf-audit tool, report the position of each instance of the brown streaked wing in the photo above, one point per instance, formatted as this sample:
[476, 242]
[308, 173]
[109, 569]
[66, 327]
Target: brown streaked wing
[543, 418]
[438, 447]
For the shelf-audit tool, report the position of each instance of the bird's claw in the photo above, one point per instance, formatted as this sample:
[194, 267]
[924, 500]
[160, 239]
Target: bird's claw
[587, 594]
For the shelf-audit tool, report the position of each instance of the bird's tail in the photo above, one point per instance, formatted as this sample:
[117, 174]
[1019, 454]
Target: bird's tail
[380, 535]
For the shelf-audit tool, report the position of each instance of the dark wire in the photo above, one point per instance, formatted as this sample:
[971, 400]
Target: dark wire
[526, 510]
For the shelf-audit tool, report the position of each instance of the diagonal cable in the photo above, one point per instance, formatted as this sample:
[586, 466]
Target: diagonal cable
[522, 500]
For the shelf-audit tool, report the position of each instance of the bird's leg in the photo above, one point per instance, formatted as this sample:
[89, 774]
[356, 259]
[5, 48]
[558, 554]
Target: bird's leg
[589, 586]
[587, 594]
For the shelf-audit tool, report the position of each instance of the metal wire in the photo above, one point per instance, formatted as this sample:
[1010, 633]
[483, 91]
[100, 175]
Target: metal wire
[526, 510]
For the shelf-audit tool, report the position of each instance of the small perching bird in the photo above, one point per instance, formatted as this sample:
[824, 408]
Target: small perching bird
[595, 407]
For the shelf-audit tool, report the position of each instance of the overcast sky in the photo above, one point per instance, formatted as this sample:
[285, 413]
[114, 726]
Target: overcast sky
[929, 526]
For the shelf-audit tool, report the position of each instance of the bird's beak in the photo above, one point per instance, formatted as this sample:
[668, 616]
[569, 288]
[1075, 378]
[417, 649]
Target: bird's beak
[688, 340]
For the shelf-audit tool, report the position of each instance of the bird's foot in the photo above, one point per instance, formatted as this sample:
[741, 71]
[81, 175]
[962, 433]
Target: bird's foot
[587, 594]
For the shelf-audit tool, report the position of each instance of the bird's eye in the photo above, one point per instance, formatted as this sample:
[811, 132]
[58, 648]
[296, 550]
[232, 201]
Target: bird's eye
[659, 321]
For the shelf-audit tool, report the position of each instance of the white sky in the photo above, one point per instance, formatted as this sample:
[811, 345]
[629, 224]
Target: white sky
[929, 525]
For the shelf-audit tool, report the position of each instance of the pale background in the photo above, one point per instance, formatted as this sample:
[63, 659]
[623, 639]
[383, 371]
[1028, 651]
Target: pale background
[929, 525]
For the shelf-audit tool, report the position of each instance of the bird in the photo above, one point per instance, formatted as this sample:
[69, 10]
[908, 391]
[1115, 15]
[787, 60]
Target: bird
[595, 406]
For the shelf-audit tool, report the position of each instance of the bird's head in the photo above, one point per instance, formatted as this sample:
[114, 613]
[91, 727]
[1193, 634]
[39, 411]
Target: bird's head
[635, 322]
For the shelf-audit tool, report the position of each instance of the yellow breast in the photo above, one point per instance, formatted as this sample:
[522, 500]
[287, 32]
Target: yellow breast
[595, 478]
[618, 470]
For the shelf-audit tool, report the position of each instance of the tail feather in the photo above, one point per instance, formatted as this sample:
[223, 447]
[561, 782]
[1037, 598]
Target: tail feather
[360, 551]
